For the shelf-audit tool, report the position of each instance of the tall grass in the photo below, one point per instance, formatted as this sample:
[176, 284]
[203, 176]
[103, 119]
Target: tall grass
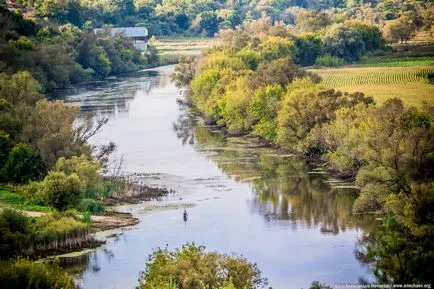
[52, 233]
[31, 275]
[25, 236]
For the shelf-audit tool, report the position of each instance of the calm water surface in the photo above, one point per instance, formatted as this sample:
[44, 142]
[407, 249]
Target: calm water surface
[291, 219]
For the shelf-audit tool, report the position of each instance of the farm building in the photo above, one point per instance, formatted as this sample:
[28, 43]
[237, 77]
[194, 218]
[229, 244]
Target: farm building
[137, 35]
[12, 6]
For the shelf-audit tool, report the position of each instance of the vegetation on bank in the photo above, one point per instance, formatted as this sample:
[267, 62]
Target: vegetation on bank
[32, 275]
[251, 85]
[45, 155]
[57, 56]
[193, 268]
[23, 236]
[400, 19]
[46, 163]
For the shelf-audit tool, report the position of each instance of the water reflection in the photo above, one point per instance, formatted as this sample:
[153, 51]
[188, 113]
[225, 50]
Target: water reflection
[246, 199]
[286, 190]
[113, 96]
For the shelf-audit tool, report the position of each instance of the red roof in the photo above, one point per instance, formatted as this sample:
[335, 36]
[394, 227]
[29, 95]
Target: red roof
[11, 4]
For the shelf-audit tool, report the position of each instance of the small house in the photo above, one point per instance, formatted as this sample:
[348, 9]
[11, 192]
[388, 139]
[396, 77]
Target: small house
[137, 35]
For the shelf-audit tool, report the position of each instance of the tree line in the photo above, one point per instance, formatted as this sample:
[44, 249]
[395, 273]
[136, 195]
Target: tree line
[251, 85]
[400, 19]
[60, 55]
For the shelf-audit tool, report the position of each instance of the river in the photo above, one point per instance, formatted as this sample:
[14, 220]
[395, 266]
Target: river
[291, 219]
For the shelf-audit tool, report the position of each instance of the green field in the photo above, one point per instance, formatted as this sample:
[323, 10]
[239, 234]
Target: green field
[10, 199]
[171, 49]
[413, 84]
[405, 61]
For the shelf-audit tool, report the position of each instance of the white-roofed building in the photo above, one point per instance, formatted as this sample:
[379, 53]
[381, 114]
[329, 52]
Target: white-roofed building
[138, 35]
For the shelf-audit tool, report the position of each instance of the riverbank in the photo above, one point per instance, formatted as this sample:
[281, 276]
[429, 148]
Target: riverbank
[250, 140]
[111, 218]
[234, 194]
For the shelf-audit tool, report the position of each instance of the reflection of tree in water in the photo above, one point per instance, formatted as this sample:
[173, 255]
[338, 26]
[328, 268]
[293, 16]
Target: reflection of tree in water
[286, 189]
[183, 126]
[289, 192]
[395, 256]
[112, 97]
[77, 265]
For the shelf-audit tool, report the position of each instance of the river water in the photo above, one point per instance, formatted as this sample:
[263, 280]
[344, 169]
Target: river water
[291, 219]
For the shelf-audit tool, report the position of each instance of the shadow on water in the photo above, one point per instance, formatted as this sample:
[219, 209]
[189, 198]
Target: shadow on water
[287, 190]
[284, 192]
[111, 96]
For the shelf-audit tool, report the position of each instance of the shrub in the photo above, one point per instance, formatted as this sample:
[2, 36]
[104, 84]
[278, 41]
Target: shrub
[31, 275]
[14, 227]
[91, 206]
[55, 231]
[329, 61]
[87, 170]
[34, 193]
[24, 164]
[63, 191]
[193, 268]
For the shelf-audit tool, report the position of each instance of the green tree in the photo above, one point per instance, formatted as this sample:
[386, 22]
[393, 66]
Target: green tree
[306, 106]
[344, 42]
[34, 275]
[86, 169]
[371, 35]
[275, 47]
[14, 233]
[400, 31]
[191, 267]
[208, 22]
[309, 47]
[5, 147]
[63, 191]
[24, 164]
[263, 108]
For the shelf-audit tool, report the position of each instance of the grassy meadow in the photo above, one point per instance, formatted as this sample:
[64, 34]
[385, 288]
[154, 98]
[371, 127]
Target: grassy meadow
[171, 49]
[407, 78]
[9, 199]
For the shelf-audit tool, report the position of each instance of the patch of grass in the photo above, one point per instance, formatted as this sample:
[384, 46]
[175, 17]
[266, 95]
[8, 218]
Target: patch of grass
[408, 61]
[411, 84]
[171, 49]
[13, 200]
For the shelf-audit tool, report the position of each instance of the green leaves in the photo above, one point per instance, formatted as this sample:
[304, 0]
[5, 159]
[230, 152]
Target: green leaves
[191, 267]
[23, 164]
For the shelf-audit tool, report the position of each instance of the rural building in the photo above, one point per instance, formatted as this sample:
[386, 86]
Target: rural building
[12, 6]
[137, 35]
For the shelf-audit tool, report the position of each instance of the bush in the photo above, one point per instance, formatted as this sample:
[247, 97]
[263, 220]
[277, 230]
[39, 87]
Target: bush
[34, 193]
[193, 268]
[14, 227]
[87, 170]
[91, 206]
[329, 61]
[31, 275]
[24, 164]
[55, 231]
[63, 191]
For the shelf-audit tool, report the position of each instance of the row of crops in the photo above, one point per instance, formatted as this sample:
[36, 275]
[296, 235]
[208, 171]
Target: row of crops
[388, 76]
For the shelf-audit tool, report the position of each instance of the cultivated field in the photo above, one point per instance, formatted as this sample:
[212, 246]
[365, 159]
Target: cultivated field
[414, 85]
